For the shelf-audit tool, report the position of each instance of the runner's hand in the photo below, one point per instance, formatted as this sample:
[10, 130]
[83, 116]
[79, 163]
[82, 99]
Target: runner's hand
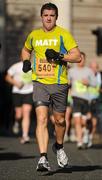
[20, 85]
[26, 66]
[52, 55]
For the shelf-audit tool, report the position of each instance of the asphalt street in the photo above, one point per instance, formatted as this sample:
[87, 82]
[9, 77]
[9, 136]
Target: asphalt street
[18, 162]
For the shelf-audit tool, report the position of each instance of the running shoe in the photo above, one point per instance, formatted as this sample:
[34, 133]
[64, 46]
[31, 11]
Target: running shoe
[43, 164]
[25, 140]
[79, 145]
[72, 135]
[90, 143]
[85, 136]
[16, 128]
[66, 138]
[62, 158]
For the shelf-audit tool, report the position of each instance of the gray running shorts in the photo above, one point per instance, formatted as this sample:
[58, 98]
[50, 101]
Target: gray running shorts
[51, 94]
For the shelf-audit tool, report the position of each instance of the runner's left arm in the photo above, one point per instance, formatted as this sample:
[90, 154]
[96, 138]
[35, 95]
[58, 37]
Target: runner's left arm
[73, 56]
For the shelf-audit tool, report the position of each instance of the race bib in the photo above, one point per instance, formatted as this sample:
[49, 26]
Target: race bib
[44, 69]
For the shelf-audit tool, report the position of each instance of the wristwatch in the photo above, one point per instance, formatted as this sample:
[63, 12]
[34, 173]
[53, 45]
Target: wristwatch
[61, 56]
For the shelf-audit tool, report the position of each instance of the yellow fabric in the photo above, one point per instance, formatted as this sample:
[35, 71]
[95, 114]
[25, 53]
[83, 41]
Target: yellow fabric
[80, 87]
[94, 90]
[26, 77]
[58, 39]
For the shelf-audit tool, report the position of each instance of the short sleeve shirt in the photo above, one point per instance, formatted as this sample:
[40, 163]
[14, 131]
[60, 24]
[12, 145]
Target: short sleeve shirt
[16, 72]
[58, 39]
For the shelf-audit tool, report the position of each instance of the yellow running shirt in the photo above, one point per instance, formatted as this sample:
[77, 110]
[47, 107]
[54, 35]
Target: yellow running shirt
[58, 39]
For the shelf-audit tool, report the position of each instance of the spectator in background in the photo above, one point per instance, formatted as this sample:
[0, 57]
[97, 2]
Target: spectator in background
[94, 93]
[22, 98]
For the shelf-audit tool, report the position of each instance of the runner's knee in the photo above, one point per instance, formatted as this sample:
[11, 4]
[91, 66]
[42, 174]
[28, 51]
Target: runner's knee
[60, 122]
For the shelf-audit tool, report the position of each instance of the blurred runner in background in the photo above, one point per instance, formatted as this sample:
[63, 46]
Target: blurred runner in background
[22, 89]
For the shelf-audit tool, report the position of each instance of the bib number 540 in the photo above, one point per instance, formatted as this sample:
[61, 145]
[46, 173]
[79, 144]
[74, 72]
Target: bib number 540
[44, 67]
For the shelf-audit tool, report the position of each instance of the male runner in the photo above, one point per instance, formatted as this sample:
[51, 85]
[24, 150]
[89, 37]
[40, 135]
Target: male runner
[53, 47]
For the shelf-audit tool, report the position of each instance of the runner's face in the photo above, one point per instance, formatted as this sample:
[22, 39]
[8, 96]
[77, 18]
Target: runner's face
[48, 19]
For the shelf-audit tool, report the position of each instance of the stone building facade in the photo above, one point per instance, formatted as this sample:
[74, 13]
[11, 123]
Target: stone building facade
[87, 16]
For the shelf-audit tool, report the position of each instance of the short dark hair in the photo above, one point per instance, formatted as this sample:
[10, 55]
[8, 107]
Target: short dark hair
[49, 6]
